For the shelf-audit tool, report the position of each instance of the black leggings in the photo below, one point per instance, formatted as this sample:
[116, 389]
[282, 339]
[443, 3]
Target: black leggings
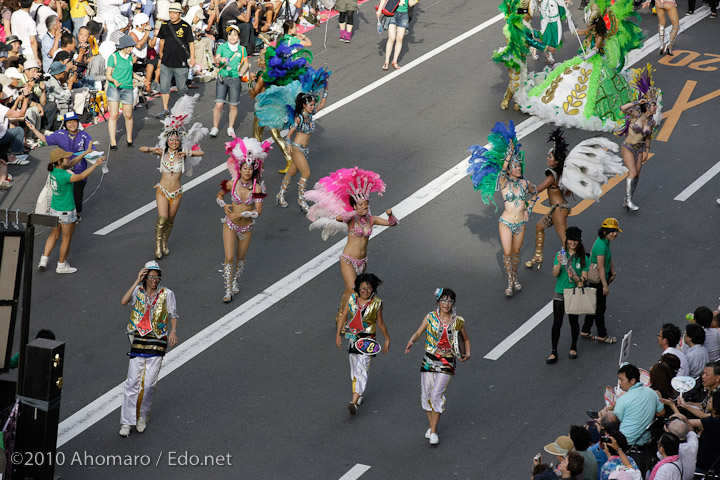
[599, 318]
[350, 17]
[712, 3]
[78, 189]
[558, 317]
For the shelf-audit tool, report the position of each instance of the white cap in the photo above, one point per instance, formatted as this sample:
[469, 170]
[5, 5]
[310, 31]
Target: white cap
[13, 72]
[31, 64]
[140, 19]
[153, 265]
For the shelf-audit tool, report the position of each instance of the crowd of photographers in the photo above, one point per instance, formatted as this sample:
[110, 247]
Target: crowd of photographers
[661, 424]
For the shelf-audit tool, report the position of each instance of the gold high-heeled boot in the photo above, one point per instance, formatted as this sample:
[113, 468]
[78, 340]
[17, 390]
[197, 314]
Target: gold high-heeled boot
[515, 260]
[166, 234]
[508, 271]
[280, 142]
[159, 228]
[539, 243]
[513, 85]
[257, 129]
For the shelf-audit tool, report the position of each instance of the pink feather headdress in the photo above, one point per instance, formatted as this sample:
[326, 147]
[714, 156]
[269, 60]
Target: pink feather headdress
[332, 193]
[246, 150]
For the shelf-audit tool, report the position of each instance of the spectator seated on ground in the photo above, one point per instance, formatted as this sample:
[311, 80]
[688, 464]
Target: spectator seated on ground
[41, 113]
[57, 89]
[609, 425]
[711, 384]
[668, 340]
[615, 447]
[582, 440]
[660, 378]
[11, 137]
[703, 316]
[694, 349]
[679, 426]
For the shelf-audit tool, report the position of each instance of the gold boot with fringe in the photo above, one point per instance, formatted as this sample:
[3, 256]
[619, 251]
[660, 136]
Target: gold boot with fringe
[166, 234]
[280, 142]
[515, 260]
[159, 229]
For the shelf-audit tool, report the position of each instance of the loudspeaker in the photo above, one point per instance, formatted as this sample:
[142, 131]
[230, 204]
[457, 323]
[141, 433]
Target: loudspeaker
[12, 248]
[42, 378]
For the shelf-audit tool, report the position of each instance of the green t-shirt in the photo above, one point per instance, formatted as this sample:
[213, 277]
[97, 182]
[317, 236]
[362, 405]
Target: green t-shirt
[563, 280]
[62, 197]
[231, 68]
[602, 247]
[403, 7]
[123, 69]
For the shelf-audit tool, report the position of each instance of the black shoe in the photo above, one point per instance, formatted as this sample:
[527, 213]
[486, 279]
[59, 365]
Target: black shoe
[552, 358]
[129, 144]
[113, 147]
[572, 355]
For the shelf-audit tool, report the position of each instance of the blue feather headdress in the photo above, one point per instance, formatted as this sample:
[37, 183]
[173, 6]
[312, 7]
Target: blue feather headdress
[313, 81]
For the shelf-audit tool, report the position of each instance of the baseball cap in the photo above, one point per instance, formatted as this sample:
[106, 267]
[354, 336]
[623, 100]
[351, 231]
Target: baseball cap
[611, 223]
[140, 19]
[58, 154]
[70, 116]
[13, 72]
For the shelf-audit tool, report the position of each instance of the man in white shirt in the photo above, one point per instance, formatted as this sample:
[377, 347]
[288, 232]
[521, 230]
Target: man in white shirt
[668, 339]
[24, 27]
[50, 42]
[688, 443]
[694, 350]
[40, 13]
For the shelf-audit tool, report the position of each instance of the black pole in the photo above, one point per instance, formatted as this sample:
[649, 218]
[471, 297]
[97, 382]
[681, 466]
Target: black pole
[26, 293]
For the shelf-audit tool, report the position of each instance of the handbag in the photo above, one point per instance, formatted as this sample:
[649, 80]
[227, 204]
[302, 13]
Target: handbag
[42, 205]
[90, 11]
[594, 274]
[580, 300]
[389, 9]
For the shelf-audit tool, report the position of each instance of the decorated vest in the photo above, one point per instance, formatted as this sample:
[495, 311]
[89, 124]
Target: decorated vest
[434, 331]
[147, 328]
[359, 322]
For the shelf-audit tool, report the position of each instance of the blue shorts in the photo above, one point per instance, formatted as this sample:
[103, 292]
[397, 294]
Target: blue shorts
[115, 94]
[401, 19]
[227, 90]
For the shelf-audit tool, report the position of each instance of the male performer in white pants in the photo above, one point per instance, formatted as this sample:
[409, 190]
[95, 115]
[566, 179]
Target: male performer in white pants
[149, 340]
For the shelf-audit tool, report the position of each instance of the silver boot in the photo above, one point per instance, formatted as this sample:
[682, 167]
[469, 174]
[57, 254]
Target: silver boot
[628, 203]
[236, 278]
[227, 273]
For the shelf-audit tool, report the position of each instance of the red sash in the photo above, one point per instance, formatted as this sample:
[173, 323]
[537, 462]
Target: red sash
[144, 326]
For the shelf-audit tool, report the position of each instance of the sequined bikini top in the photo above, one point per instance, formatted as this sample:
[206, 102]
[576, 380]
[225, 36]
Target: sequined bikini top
[639, 129]
[168, 166]
[357, 228]
[513, 197]
[306, 127]
[236, 198]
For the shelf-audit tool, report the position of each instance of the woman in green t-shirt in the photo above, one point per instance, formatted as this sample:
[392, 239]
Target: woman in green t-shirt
[231, 59]
[119, 76]
[570, 269]
[62, 204]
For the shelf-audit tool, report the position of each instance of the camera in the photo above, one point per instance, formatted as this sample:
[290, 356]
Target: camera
[45, 77]
[605, 439]
[80, 67]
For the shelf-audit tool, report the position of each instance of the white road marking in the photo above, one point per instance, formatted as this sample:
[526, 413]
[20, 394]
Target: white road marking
[353, 96]
[520, 333]
[110, 401]
[698, 184]
[355, 472]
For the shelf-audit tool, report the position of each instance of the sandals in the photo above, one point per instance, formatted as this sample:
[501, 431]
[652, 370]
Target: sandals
[385, 66]
[586, 335]
[607, 339]
[395, 65]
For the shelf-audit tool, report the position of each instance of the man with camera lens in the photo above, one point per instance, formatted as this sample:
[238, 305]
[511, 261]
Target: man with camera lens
[41, 113]
[59, 88]
[11, 136]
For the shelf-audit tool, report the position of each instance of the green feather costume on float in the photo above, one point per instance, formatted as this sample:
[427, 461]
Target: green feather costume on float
[588, 90]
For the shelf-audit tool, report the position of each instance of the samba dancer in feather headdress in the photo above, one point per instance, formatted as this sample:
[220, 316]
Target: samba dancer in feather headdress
[588, 90]
[179, 152]
[582, 172]
[247, 191]
[520, 38]
[279, 67]
[501, 168]
[342, 204]
[643, 114]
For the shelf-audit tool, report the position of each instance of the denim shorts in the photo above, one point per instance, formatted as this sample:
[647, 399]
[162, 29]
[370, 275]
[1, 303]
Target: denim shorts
[227, 90]
[64, 217]
[401, 19]
[115, 94]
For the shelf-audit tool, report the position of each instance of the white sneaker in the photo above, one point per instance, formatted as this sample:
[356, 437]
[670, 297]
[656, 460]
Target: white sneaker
[19, 160]
[359, 402]
[434, 439]
[5, 185]
[43, 263]
[718, 201]
[213, 132]
[427, 434]
[231, 132]
[125, 430]
[352, 408]
[141, 425]
[65, 268]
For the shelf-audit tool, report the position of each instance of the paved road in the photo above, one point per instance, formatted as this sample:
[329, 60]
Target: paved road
[269, 388]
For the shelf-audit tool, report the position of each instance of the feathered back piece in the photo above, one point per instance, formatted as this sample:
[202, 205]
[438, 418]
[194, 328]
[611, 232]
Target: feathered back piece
[285, 63]
[514, 54]
[486, 164]
[589, 166]
[331, 197]
[623, 34]
[313, 81]
[246, 150]
[560, 146]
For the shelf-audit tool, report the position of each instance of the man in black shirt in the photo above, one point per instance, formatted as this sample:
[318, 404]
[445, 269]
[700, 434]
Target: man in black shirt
[177, 54]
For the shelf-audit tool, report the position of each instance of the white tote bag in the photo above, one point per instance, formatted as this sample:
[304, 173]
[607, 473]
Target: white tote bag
[43, 202]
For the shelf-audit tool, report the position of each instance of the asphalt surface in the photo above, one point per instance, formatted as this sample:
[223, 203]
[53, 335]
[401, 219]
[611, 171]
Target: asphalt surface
[272, 394]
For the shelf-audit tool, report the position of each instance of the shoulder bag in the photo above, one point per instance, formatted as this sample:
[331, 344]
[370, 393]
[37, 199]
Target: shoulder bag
[42, 205]
[580, 300]
[174, 35]
[594, 274]
[389, 9]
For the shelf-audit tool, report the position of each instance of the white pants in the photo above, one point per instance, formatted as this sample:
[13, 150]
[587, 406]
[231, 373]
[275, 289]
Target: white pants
[143, 373]
[359, 367]
[432, 395]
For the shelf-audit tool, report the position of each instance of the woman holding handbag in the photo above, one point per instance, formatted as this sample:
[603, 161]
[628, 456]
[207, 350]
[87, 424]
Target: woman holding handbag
[231, 58]
[601, 266]
[570, 268]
